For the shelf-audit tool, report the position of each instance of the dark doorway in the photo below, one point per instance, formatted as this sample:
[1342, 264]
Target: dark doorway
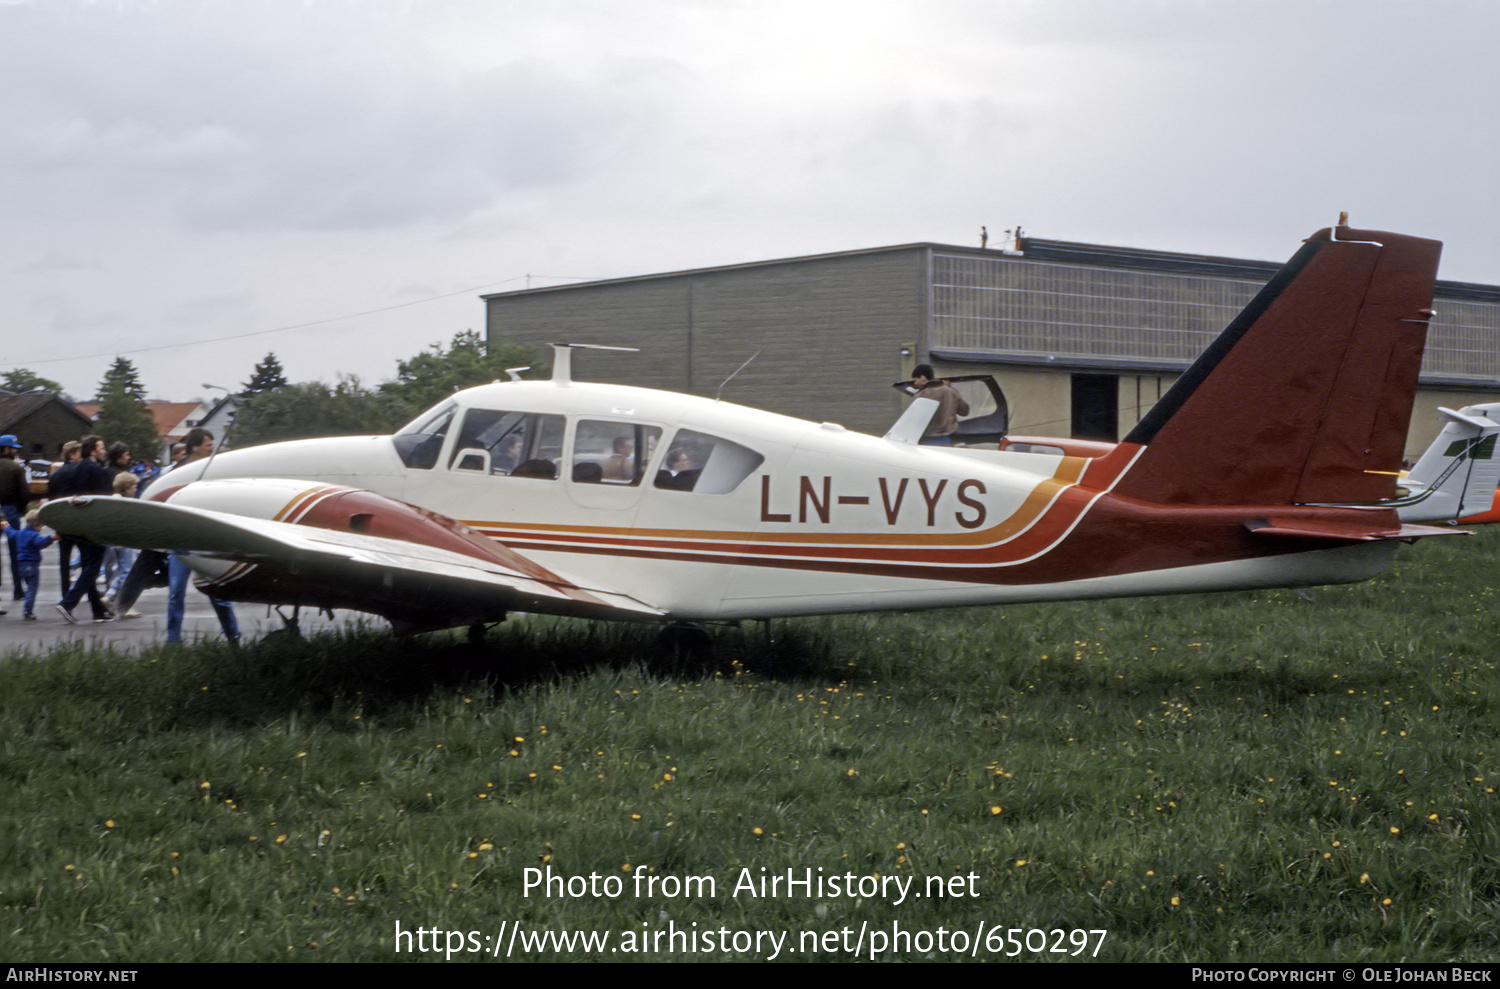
[1096, 407]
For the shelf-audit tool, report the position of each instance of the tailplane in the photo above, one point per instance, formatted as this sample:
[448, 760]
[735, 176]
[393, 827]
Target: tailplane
[1307, 395]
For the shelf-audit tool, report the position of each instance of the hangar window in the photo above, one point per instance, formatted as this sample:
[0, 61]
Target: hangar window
[518, 444]
[419, 444]
[705, 464]
[612, 452]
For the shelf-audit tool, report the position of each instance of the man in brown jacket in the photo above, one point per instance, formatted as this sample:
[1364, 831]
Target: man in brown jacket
[951, 405]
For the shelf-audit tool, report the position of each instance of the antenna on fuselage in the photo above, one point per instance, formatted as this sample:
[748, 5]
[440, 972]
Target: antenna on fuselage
[737, 370]
[514, 373]
[562, 357]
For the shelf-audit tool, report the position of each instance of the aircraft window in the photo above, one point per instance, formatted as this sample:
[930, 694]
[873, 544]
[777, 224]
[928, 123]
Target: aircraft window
[1036, 448]
[518, 444]
[705, 464]
[612, 452]
[419, 444]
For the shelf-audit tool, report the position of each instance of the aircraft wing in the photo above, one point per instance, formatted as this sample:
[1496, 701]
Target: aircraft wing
[242, 558]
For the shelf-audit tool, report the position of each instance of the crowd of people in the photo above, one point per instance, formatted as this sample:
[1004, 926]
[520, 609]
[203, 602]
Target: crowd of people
[111, 579]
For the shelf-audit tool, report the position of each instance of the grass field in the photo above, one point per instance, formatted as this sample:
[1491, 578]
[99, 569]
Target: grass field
[1267, 776]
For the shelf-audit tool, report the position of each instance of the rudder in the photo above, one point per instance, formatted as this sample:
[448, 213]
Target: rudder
[1307, 395]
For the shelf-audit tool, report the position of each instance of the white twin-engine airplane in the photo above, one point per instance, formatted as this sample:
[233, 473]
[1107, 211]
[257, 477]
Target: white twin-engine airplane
[1271, 463]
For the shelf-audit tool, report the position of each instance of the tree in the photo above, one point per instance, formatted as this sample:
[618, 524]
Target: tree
[268, 376]
[312, 409]
[20, 379]
[436, 373]
[123, 416]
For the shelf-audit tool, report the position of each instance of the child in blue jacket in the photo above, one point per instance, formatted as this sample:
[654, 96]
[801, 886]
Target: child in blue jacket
[26, 547]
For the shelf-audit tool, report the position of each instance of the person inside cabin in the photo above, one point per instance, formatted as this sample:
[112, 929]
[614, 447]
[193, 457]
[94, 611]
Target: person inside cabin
[679, 472]
[620, 465]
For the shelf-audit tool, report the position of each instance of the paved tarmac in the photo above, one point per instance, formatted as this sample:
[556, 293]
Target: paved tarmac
[51, 630]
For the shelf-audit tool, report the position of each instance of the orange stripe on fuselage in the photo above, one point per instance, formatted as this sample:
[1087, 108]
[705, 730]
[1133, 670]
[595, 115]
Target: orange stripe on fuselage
[1045, 515]
[299, 505]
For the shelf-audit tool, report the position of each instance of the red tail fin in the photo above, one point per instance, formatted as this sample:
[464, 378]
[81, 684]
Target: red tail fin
[1307, 391]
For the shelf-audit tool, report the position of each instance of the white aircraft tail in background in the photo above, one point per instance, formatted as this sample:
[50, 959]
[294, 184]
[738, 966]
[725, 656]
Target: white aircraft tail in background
[1456, 478]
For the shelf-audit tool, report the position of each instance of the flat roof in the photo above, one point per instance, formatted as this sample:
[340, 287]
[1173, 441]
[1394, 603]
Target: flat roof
[1031, 249]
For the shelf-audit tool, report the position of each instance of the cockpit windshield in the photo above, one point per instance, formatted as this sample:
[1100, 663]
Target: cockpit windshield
[419, 443]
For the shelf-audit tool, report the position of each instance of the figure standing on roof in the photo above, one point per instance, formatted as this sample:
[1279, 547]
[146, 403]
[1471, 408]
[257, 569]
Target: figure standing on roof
[951, 405]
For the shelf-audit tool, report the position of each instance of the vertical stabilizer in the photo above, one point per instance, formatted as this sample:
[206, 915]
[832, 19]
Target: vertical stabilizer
[1306, 396]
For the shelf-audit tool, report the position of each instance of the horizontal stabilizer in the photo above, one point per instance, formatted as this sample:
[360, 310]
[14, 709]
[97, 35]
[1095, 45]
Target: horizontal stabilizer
[1342, 531]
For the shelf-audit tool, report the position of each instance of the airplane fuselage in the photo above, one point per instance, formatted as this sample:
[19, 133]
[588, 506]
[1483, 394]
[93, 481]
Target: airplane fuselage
[769, 515]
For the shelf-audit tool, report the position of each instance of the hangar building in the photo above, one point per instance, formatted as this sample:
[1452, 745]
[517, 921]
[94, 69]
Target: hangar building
[1083, 338]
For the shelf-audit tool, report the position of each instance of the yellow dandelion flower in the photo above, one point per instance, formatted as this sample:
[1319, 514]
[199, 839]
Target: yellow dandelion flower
[1364, 877]
[635, 817]
[1020, 863]
[1395, 830]
[110, 823]
[626, 867]
[1387, 901]
[281, 839]
[996, 810]
[1176, 901]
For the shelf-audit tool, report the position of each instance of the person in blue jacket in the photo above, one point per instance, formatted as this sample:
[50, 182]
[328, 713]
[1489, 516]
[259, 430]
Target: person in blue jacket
[26, 547]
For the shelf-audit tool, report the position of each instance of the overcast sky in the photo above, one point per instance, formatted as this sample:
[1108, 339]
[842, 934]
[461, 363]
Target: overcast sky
[182, 180]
